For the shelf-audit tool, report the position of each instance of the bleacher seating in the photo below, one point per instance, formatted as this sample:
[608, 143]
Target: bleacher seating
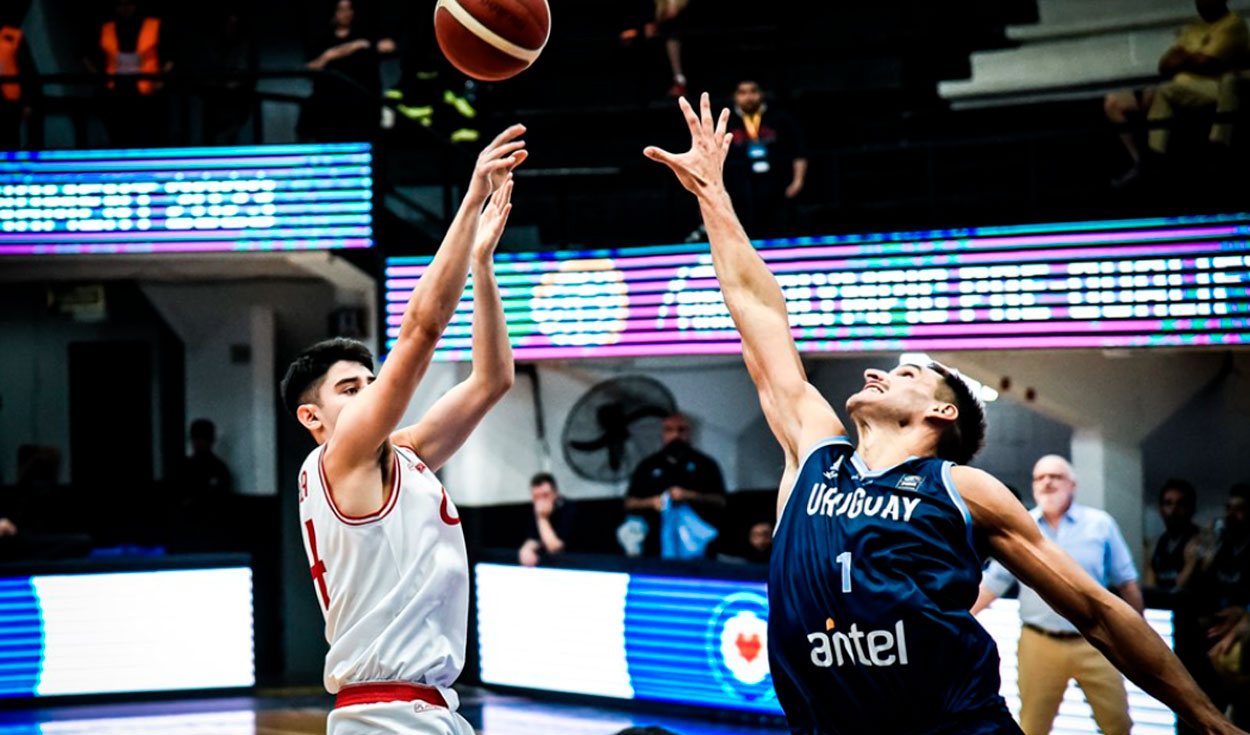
[1077, 49]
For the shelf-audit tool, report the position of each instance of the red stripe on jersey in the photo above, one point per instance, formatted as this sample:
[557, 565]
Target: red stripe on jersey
[388, 692]
[365, 519]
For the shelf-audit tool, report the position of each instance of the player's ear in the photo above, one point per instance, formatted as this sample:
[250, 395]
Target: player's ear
[309, 415]
[943, 412]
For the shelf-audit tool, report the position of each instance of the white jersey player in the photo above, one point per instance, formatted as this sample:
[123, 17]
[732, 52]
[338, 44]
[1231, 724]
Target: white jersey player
[385, 548]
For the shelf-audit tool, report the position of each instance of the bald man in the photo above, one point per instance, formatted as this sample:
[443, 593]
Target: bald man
[1051, 651]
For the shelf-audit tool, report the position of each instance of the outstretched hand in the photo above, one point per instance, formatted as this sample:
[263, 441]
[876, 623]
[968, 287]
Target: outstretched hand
[491, 223]
[701, 167]
[496, 163]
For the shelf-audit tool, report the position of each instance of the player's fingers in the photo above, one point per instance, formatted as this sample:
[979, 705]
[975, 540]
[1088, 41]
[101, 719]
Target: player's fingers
[506, 149]
[496, 199]
[661, 155]
[510, 133]
[692, 120]
[722, 125]
[705, 112]
[519, 158]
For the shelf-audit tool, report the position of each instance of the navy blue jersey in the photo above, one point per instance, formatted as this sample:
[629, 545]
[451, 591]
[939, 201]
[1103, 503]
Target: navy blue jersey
[871, 580]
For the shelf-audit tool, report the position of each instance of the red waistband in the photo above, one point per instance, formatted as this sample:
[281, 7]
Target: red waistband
[387, 692]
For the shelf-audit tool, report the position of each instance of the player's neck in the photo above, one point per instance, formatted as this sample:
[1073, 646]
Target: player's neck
[882, 447]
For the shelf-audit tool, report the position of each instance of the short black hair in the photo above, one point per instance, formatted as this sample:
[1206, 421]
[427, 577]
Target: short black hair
[203, 429]
[544, 477]
[962, 438]
[1240, 490]
[307, 371]
[1187, 491]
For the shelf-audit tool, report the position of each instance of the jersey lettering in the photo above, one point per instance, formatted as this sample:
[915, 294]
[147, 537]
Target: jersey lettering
[318, 568]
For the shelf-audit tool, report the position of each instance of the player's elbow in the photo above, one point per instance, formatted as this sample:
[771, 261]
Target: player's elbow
[420, 327]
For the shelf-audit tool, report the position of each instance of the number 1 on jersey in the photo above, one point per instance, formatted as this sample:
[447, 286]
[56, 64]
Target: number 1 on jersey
[845, 560]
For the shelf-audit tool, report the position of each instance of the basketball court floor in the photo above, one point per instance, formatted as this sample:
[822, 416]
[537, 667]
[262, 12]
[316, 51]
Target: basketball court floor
[305, 714]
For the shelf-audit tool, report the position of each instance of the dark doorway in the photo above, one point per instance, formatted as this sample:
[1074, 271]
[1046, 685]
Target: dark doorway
[110, 417]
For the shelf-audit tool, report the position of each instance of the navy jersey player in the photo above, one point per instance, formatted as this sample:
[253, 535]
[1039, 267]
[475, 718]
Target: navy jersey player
[879, 546]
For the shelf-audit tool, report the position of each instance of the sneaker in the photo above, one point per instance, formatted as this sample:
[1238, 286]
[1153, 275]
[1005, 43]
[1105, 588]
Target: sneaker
[461, 103]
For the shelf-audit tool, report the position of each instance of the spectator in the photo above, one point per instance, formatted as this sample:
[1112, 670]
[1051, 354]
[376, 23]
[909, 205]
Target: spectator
[339, 109]
[15, 96]
[228, 101]
[1051, 650]
[1194, 68]
[669, 22]
[130, 43]
[1225, 592]
[678, 473]
[203, 475]
[760, 542]
[767, 165]
[553, 523]
[1172, 564]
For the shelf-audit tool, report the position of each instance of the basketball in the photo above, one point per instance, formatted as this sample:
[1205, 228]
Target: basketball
[492, 40]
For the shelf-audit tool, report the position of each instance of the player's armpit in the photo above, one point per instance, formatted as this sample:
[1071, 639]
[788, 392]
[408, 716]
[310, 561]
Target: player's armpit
[1105, 620]
[443, 429]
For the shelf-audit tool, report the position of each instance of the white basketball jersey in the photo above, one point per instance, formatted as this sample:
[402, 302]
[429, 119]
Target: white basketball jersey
[393, 585]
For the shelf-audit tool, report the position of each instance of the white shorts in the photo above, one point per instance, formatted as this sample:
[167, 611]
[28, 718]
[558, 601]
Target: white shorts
[385, 718]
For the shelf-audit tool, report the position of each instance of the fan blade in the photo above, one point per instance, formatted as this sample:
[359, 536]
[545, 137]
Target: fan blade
[590, 445]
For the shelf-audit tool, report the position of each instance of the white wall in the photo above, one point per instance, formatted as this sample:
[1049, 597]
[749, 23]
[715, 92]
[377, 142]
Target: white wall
[495, 465]
[240, 398]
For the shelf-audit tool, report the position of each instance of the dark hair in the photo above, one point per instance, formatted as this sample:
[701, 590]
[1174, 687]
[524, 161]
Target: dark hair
[962, 438]
[307, 371]
[1240, 490]
[544, 477]
[1188, 494]
[652, 730]
[203, 429]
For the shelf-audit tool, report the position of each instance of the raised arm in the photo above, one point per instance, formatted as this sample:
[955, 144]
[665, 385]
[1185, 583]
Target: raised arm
[1106, 621]
[448, 423]
[796, 412]
[366, 423]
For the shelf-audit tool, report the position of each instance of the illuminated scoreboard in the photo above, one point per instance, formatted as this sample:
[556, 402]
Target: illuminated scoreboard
[1133, 283]
[173, 200]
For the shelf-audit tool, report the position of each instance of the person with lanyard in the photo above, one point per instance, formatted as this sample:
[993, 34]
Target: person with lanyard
[767, 165]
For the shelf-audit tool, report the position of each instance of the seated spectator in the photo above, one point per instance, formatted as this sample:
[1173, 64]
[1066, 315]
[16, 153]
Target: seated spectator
[1224, 590]
[767, 166]
[203, 475]
[1173, 562]
[1194, 70]
[552, 527]
[677, 474]
[760, 542]
[200, 494]
[339, 108]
